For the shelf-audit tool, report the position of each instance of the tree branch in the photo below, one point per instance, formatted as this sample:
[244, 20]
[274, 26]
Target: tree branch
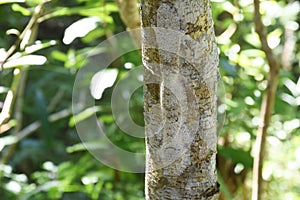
[266, 107]
[129, 13]
[262, 33]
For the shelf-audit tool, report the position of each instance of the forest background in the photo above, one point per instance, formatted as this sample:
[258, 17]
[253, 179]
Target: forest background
[41, 154]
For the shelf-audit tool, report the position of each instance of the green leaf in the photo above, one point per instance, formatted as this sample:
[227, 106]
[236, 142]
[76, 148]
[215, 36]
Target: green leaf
[12, 1]
[94, 34]
[83, 115]
[38, 46]
[253, 40]
[236, 155]
[34, 3]
[22, 10]
[102, 80]
[58, 55]
[293, 87]
[253, 53]
[99, 144]
[7, 140]
[110, 7]
[3, 89]
[102, 12]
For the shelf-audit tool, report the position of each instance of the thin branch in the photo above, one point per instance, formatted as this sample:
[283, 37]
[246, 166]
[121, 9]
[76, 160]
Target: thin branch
[266, 107]
[262, 33]
[129, 13]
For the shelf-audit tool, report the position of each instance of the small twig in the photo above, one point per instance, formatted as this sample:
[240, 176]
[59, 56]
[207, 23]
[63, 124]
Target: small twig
[266, 107]
[262, 33]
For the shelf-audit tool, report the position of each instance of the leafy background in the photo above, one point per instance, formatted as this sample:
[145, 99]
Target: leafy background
[51, 162]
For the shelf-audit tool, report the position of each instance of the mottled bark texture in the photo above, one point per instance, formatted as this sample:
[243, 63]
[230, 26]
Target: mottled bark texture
[180, 73]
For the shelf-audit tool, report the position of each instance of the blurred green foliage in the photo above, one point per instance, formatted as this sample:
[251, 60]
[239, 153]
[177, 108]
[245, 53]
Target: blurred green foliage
[52, 163]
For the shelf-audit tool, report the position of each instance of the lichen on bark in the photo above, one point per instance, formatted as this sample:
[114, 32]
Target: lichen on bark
[180, 73]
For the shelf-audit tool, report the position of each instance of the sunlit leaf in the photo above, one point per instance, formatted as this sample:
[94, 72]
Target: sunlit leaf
[64, 11]
[11, 1]
[291, 125]
[7, 140]
[3, 89]
[271, 9]
[253, 40]
[100, 11]
[94, 34]
[58, 55]
[274, 38]
[83, 115]
[39, 45]
[25, 60]
[13, 31]
[290, 99]
[80, 28]
[76, 59]
[3, 54]
[244, 61]
[110, 7]
[102, 80]
[5, 127]
[35, 2]
[290, 12]
[22, 10]
[253, 53]
[293, 87]
[99, 144]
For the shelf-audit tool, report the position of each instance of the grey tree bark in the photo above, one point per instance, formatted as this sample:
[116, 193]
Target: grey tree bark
[180, 61]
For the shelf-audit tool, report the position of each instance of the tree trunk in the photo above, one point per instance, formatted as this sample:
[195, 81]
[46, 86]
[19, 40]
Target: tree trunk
[180, 74]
